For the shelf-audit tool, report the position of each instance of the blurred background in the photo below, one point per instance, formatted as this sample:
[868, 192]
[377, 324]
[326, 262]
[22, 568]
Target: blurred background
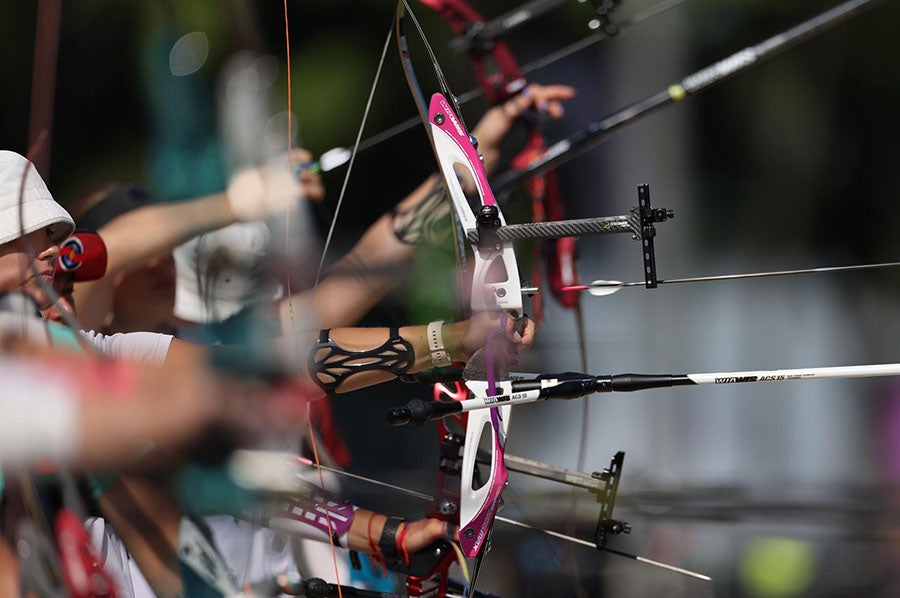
[775, 490]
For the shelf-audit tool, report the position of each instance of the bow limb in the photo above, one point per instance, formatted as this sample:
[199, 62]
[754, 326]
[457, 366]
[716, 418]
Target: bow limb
[496, 68]
[478, 507]
[495, 283]
[500, 78]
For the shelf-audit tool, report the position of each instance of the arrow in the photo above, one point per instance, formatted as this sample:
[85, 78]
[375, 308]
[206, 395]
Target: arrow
[597, 132]
[574, 385]
[602, 288]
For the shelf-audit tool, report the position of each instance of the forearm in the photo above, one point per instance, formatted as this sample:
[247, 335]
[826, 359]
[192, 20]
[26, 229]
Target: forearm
[378, 262]
[365, 531]
[137, 237]
[358, 281]
[345, 359]
[140, 235]
[319, 515]
[9, 572]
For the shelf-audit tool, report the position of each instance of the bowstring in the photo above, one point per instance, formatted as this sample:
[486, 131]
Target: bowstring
[491, 378]
[327, 244]
[439, 73]
[310, 431]
[353, 153]
[290, 131]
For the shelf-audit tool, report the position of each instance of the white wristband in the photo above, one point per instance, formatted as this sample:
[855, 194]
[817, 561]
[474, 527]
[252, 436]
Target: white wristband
[439, 356]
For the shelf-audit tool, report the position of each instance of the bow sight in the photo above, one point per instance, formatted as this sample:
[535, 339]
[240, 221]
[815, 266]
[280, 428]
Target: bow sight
[640, 223]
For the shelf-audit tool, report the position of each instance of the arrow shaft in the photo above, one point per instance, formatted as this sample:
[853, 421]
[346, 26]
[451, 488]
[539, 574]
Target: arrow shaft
[635, 382]
[529, 391]
[597, 132]
[612, 286]
[772, 273]
[476, 92]
[590, 40]
[634, 557]
[642, 559]
[502, 25]
[824, 373]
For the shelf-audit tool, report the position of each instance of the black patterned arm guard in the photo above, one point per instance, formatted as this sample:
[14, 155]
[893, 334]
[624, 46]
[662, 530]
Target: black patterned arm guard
[330, 364]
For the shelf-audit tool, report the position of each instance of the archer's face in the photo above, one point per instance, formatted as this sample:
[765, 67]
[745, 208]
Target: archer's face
[17, 258]
[64, 285]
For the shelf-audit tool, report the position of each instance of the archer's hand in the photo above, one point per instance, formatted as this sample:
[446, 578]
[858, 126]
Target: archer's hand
[424, 532]
[496, 123]
[310, 180]
[472, 334]
[274, 187]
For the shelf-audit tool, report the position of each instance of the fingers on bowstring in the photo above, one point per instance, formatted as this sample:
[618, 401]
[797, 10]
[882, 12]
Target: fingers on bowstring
[306, 172]
[301, 162]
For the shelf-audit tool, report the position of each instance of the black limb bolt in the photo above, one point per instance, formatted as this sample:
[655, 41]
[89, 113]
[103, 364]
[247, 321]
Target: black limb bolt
[488, 221]
[489, 217]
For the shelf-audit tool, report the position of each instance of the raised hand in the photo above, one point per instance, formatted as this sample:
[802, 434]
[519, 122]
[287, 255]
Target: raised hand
[496, 123]
[274, 187]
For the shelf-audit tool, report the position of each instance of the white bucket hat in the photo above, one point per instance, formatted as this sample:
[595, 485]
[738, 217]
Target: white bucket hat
[39, 209]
